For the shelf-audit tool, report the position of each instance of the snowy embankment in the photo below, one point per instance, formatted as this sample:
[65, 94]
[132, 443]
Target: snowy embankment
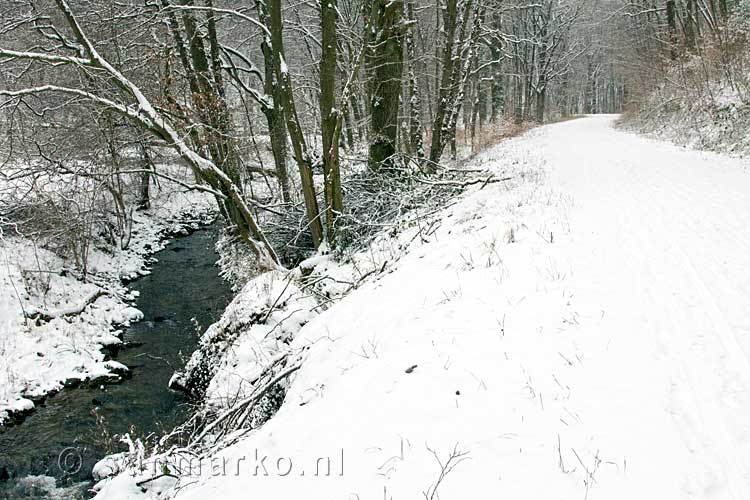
[53, 325]
[578, 332]
[718, 123]
[712, 114]
[443, 345]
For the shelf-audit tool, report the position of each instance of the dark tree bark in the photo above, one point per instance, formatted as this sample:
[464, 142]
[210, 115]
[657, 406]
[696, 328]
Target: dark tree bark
[541, 100]
[385, 68]
[415, 102]
[543, 62]
[274, 114]
[334, 204]
[276, 127]
[144, 196]
[672, 28]
[218, 180]
[450, 15]
[689, 24]
[459, 79]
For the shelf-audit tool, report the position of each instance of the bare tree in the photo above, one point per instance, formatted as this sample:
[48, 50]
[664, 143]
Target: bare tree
[120, 95]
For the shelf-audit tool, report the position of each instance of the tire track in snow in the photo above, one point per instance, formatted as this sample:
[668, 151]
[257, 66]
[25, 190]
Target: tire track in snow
[657, 214]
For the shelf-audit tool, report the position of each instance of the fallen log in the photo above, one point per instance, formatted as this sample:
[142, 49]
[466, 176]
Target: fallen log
[48, 316]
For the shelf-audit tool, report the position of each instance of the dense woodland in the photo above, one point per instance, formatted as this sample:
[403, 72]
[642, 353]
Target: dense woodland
[308, 121]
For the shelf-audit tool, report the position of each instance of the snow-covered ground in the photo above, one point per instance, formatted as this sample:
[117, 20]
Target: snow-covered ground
[719, 125]
[698, 107]
[39, 357]
[578, 332]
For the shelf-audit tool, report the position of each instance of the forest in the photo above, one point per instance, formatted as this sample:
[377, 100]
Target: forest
[293, 116]
[317, 147]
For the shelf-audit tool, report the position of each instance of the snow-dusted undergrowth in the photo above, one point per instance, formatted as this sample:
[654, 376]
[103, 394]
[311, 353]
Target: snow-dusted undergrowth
[704, 101]
[39, 356]
[716, 123]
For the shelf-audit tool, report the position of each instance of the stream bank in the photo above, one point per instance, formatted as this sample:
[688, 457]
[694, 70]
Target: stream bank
[57, 445]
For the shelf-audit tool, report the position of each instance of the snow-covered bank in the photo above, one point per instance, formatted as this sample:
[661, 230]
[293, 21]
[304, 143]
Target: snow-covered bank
[414, 360]
[53, 325]
[704, 100]
[579, 332]
[717, 124]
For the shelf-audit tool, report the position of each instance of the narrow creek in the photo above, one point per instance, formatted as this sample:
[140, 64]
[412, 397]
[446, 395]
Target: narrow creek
[184, 284]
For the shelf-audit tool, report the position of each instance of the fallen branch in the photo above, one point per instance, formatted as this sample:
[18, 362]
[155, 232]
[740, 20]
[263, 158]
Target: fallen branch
[247, 403]
[154, 478]
[462, 184]
[48, 316]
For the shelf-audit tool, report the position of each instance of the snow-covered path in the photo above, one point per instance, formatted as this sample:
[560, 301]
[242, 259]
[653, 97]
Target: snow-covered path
[580, 332]
[660, 243]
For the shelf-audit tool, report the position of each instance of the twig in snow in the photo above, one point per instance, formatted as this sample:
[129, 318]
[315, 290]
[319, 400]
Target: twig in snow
[273, 306]
[455, 458]
[462, 184]
[560, 462]
[570, 363]
[589, 479]
[154, 478]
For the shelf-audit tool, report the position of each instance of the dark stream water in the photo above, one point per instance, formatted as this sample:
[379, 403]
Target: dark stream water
[184, 284]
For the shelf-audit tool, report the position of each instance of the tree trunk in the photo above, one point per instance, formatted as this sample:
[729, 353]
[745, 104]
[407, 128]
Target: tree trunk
[497, 89]
[329, 117]
[144, 197]
[450, 15]
[385, 65]
[275, 120]
[415, 102]
[301, 154]
[672, 28]
[689, 25]
[541, 97]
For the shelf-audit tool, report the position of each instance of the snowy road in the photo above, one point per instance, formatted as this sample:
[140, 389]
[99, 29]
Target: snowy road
[660, 242]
